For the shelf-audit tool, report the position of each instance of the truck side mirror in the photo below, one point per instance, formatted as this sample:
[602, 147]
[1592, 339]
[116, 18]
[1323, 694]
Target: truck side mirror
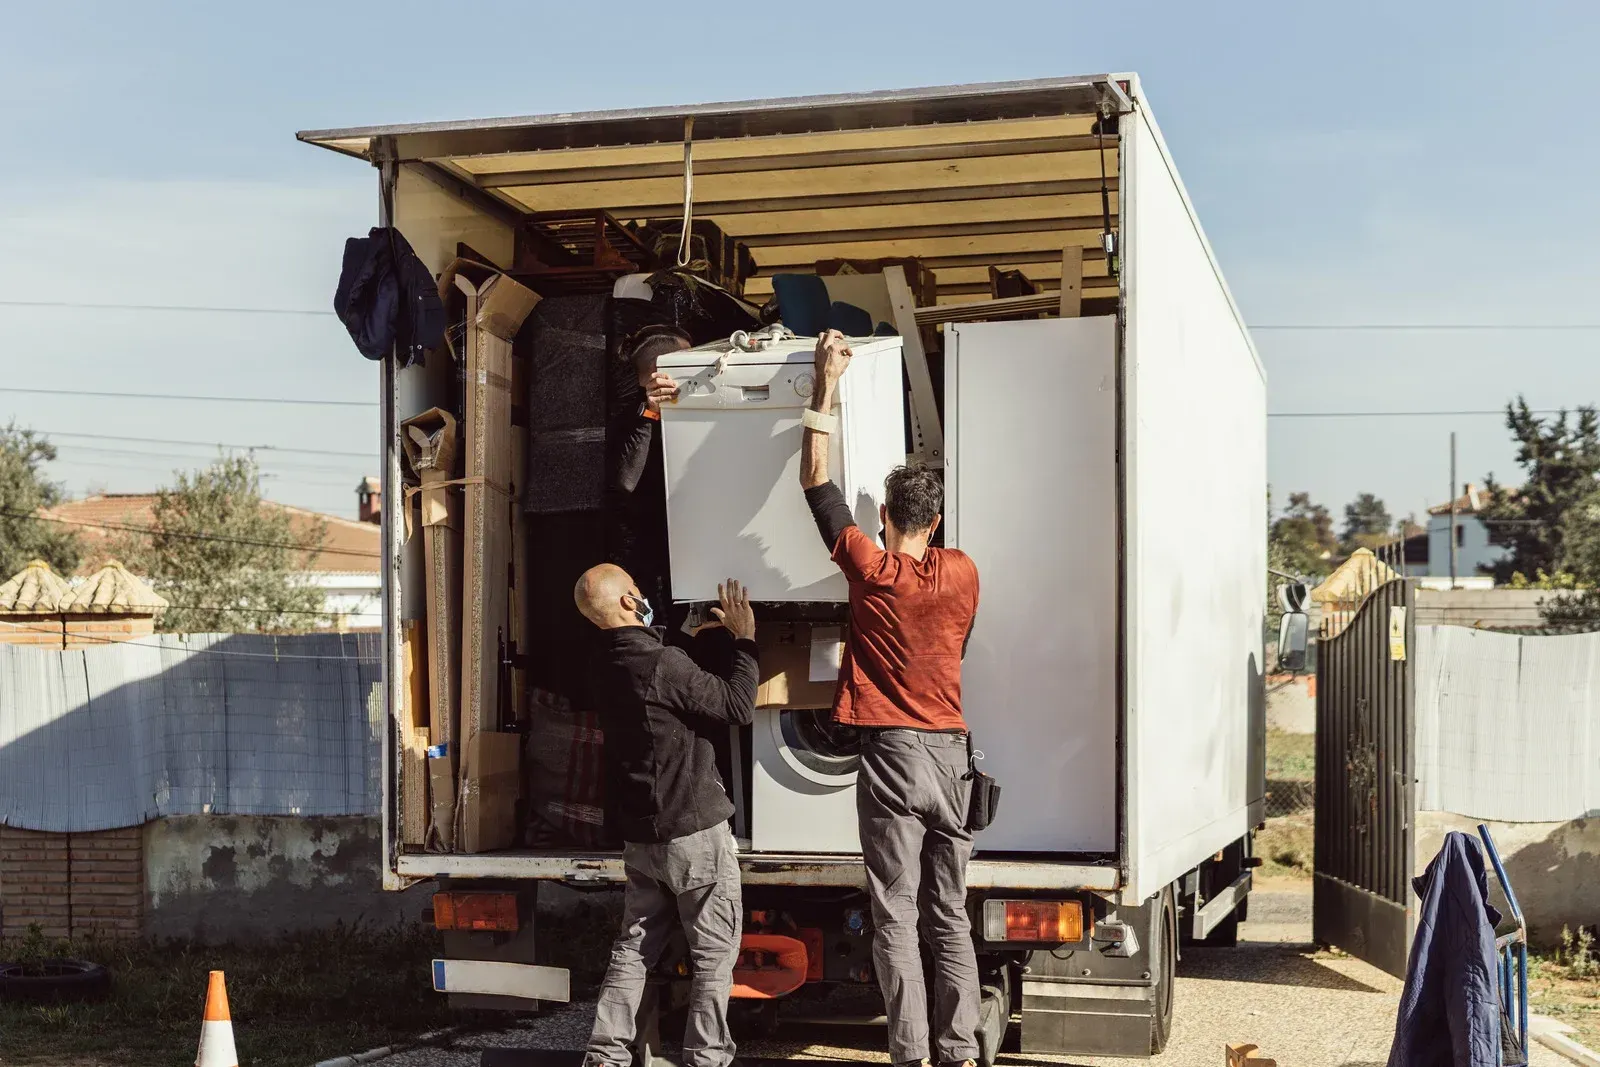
[1294, 630]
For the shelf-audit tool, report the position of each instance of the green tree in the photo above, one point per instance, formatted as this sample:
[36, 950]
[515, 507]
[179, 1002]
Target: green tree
[1304, 536]
[1560, 458]
[1366, 524]
[225, 560]
[24, 489]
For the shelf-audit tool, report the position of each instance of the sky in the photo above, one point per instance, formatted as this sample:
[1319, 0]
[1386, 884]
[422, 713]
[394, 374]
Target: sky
[1366, 164]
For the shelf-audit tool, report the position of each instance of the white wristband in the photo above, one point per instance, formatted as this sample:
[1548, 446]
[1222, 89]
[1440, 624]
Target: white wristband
[819, 421]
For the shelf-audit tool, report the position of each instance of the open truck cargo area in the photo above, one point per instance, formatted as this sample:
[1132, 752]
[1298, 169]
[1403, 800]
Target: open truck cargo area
[1071, 359]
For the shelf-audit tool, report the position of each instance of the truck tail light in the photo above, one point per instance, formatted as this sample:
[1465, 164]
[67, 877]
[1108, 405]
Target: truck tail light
[1039, 921]
[476, 911]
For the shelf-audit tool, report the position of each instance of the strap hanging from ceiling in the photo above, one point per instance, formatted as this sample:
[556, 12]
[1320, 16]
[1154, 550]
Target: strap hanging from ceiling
[688, 192]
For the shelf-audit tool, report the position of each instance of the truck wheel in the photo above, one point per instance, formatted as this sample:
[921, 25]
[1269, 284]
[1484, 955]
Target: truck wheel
[994, 1017]
[1166, 974]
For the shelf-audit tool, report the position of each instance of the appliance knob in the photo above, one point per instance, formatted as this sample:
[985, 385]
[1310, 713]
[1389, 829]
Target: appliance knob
[803, 384]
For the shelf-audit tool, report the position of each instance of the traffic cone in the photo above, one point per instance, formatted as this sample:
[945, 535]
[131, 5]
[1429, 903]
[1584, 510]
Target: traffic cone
[216, 1032]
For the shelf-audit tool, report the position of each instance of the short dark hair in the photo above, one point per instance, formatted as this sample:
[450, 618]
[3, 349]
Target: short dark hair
[655, 340]
[913, 497]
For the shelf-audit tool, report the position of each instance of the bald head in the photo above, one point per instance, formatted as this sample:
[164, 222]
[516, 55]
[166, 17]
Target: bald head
[607, 596]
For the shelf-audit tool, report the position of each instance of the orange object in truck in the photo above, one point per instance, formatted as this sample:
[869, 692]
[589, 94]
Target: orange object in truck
[769, 966]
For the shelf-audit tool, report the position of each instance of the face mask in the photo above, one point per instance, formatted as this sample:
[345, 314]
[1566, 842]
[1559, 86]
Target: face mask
[642, 608]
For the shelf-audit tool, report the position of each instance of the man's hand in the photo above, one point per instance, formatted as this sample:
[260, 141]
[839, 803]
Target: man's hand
[832, 357]
[734, 611]
[659, 389]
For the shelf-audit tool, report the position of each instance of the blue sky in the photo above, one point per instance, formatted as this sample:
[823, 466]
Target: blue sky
[1365, 163]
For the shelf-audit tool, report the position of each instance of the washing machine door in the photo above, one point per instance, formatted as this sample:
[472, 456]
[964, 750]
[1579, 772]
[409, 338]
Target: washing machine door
[817, 748]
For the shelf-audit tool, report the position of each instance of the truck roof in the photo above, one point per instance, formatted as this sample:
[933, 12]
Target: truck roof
[962, 177]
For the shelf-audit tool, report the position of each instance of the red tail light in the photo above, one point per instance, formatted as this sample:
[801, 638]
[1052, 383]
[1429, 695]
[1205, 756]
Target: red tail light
[1039, 921]
[476, 911]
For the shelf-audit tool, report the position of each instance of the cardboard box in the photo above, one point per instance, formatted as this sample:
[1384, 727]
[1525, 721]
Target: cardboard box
[414, 809]
[431, 446]
[787, 677]
[490, 788]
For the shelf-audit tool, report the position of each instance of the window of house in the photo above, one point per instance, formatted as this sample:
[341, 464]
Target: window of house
[1461, 536]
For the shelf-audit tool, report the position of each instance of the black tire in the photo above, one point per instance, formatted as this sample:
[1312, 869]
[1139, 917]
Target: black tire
[1166, 974]
[994, 1017]
[54, 980]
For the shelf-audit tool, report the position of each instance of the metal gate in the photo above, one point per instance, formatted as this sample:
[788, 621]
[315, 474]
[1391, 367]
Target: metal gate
[1365, 765]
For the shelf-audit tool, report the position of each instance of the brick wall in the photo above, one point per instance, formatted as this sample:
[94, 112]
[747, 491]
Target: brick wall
[39, 631]
[72, 884]
[92, 630]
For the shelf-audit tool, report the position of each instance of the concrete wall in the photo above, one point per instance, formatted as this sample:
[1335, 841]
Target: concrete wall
[1488, 608]
[241, 878]
[1554, 868]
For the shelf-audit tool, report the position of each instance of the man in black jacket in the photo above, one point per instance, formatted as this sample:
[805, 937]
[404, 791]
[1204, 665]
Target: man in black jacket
[659, 711]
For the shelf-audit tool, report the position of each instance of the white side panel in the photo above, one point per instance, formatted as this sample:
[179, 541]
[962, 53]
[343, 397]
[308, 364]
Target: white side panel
[1030, 419]
[1195, 420]
[735, 508]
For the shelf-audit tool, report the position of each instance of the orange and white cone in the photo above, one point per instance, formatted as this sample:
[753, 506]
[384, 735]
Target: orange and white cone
[216, 1032]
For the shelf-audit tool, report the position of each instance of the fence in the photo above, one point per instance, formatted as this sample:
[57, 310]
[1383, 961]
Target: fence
[110, 736]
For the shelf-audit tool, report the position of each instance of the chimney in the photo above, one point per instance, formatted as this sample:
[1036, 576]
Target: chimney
[369, 501]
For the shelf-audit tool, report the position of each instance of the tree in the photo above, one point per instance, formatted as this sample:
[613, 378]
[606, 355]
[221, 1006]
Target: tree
[225, 560]
[1366, 523]
[1560, 458]
[1304, 537]
[23, 491]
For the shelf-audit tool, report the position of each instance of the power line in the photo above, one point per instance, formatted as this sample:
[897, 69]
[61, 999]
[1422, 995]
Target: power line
[1498, 412]
[296, 401]
[209, 444]
[179, 535]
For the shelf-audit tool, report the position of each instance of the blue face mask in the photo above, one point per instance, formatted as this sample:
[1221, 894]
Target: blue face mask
[642, 608]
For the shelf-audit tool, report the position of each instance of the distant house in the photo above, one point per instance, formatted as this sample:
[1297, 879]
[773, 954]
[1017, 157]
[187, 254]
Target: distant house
[1475, 555]
[346, 568]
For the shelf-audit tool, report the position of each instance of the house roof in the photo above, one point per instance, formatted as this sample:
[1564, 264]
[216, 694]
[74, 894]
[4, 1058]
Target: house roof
[348, 546]
[1473, 500]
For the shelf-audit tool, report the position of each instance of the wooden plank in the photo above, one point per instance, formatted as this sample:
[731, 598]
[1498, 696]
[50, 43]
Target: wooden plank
[988, 309]
[1071, 281]
[931, 440]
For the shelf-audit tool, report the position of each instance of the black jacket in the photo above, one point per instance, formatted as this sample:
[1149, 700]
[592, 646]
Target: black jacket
[387, 299]
[1450, 1010]
[660, 712]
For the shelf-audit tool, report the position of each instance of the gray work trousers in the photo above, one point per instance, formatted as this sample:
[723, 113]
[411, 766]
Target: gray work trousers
[693, 880]
[911, 799]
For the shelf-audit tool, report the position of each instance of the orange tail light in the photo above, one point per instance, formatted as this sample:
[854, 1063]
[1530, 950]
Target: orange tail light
[476, 911]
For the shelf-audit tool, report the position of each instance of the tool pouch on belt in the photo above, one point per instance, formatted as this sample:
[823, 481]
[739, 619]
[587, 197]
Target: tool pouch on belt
[985, 792]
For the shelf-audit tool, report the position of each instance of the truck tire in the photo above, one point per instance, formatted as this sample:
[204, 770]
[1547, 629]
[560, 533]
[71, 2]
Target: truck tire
[54, 980]
[994, 1018]
[1166, 974]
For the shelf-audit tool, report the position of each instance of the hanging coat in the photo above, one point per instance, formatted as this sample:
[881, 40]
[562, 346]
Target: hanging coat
[1450, 1010]
[387, 299]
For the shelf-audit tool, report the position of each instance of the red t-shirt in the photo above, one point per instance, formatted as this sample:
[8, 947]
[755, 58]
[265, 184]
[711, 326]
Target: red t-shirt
[909, 621]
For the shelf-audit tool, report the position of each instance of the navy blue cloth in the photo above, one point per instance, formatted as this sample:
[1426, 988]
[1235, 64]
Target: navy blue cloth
[387, 299]
[1450, 1010]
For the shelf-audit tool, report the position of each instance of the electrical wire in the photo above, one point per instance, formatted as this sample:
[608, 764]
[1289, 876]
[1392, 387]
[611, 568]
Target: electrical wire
[370, 456]
[193, 651]
[107, 394]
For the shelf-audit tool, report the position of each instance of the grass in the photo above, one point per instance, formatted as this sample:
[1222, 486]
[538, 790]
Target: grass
[1292, 756]
[1285, 846]
[294, 1002]
[1565, 985]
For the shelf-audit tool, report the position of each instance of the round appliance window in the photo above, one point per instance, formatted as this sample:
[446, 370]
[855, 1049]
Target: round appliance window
[820, 744]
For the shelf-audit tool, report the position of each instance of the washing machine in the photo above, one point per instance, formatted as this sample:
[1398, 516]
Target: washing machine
[803, 788]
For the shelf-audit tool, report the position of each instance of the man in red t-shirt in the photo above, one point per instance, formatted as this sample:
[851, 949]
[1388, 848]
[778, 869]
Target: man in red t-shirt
[911, 610]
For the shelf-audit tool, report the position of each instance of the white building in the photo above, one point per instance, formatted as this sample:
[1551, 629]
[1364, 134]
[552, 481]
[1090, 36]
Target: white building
[1475, 555]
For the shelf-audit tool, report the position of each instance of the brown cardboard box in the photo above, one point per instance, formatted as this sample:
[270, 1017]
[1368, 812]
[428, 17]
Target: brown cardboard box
[786, 669]
[490, 787]
[414, 740]
[431, 445]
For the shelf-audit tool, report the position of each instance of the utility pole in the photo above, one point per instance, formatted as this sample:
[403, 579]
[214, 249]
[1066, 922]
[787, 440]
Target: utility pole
[1452, 509]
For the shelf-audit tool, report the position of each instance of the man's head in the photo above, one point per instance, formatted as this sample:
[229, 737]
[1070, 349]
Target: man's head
[647, 345]
[608, 597]
[913, 498]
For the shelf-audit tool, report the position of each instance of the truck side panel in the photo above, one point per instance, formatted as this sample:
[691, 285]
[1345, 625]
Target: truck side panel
[1195, 424]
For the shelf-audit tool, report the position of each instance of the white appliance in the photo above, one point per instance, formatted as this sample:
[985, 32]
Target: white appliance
[732, 449]
[803, 788]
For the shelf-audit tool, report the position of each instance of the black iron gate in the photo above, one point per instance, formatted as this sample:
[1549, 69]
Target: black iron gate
[1365, 778]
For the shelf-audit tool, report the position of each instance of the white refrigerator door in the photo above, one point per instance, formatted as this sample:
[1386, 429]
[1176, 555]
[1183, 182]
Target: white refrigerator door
[1030, 424]
[731, 446]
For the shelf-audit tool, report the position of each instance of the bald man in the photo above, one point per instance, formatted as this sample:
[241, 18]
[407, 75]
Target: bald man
[659, 711]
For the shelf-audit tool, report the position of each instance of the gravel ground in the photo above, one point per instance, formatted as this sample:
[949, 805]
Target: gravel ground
[1304, 1008]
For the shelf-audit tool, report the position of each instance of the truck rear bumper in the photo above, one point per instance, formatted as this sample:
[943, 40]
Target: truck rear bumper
[759, 868]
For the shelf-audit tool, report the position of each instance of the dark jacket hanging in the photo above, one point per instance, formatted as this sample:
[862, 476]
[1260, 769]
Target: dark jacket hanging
[1450, 1011]
[387, 299]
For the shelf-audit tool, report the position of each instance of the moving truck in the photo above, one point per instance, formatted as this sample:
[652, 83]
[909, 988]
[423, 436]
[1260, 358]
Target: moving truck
[1075, 363]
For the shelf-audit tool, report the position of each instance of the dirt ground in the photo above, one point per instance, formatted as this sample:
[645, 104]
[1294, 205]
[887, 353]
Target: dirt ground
[1303, 1007]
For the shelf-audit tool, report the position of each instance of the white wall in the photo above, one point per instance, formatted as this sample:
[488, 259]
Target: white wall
[1196, 544]
[1472, 554]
